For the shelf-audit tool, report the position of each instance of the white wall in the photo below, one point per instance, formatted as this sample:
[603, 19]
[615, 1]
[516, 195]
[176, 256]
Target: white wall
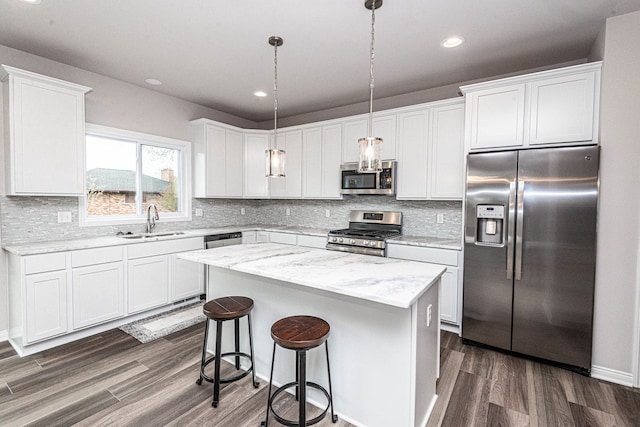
[616, 310]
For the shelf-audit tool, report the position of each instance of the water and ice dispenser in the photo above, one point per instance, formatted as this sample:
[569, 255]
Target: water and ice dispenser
[490, 220]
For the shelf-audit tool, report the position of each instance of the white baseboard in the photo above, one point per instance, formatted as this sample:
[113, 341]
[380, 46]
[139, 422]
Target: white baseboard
[4, 336]
[611, 375]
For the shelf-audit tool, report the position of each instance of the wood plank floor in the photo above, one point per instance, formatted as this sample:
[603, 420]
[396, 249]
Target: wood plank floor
[112, 379]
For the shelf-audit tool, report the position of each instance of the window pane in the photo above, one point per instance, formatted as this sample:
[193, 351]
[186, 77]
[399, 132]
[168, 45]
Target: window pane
[111, 176]
[160, 178]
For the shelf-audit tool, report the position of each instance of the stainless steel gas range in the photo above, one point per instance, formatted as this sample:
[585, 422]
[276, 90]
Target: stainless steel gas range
[367, 232]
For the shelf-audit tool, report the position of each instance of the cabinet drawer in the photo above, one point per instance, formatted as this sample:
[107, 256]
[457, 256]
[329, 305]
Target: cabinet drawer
[312, 241]
[45, 262]
[96, 256]
[286, 238]
[432, 255]
[146, 249]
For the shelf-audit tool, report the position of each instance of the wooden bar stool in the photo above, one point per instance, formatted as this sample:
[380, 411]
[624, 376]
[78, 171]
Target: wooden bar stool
[300, 333]
[221, 310]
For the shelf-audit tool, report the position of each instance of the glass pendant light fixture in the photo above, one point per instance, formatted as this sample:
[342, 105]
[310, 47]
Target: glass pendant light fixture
[275, 158]
[370, 146]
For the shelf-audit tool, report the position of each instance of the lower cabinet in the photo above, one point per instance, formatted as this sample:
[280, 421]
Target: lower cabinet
[98, 294]
[45, 305]
[187, 278]
[451, 281]
[148, 283]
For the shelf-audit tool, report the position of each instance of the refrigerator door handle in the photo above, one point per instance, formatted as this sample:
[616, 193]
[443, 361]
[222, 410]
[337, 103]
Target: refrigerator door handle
[519, 230]
[511, 228]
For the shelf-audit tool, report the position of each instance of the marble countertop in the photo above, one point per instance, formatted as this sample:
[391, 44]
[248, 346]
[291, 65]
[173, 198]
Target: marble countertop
[394, 282]
[97, 242]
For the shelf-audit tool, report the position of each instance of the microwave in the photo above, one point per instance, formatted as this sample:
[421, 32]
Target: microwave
[382, 182]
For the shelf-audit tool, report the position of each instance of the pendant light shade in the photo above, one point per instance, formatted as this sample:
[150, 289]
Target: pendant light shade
[370, 148]
[275, 159]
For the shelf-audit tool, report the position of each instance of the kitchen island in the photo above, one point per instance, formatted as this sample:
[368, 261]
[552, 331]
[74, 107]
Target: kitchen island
[384, 342]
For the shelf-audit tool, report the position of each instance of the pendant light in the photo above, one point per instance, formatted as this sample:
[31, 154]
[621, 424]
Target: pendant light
[369, 147]
[275, 158]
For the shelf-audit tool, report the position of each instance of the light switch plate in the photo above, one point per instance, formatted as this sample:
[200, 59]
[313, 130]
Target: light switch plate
[242, 211]
[440, 218]
[199, 212]
[327, 213]
[287, 212]
[64, 216]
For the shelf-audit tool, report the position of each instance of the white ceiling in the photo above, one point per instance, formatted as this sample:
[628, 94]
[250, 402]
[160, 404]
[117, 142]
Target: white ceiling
[215, 52]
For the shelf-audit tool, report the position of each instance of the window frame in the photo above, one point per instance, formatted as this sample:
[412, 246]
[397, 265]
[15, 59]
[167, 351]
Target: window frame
[184, 176]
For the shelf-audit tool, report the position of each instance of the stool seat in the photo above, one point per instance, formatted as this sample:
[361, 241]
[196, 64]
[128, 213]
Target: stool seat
[227, 308]
[300, 332]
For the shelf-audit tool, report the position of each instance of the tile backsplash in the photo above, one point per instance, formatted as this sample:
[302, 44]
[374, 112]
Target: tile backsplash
[34, 219]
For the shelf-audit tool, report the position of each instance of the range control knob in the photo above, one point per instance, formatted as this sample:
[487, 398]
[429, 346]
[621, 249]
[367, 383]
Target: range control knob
[340, 239]
[352, 241]
[366, 243]
[335, 239]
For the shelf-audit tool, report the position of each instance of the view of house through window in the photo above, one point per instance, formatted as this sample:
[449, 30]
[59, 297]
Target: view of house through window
[124, 177]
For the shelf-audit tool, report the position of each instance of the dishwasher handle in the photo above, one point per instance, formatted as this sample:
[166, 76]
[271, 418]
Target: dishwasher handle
[222, 236]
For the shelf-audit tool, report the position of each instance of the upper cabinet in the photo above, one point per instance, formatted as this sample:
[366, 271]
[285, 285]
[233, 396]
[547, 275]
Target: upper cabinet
[289, 187]
[44, 136]
[321, 151]
[383, 126]
[550, 107]
[218, 158]
[431, 152]
[256, 184]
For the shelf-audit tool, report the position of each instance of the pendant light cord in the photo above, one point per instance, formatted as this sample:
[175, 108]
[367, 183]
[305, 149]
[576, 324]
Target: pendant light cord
[371, 80]
[275, 93]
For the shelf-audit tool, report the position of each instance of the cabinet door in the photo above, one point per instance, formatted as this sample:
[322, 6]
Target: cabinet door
[98, 294]
[46, 135]
[497, 117]
[449, 296]
[148, 283]
[312, 163]
[562, 109]
[248, 237]
[289, 187]
[284, 238]
[215, 167]
[331, 176]
[234, 163]
[412, 155]
[353, 131]
[446, 172]
[187, 278]
[46, 305]
[384, 126]
[255, 181]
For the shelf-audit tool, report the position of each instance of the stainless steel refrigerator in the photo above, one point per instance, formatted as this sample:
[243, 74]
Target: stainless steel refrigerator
[530, 252]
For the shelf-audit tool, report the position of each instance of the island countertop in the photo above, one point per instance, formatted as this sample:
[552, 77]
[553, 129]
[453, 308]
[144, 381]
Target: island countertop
[393, 282]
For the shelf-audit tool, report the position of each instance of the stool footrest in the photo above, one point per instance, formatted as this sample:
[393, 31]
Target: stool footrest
[291, 423]
[226, 380]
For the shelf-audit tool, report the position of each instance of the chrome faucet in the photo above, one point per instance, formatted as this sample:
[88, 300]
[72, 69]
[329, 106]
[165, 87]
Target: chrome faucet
[151, 220]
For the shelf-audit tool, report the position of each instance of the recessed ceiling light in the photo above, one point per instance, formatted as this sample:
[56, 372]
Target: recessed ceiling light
[260, 94]
[32, 1]
[154, 82]
[453, 41]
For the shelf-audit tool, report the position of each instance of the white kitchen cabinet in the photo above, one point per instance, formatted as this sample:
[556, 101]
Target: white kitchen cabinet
[98, 294]
[262, 236]
[431, 152]
[45, 305]
[318, 242]
[256, 184]
[352, 130]
[248, 237]
[321, 159]
[44, 151]
[218, 157]
[562, 109]
[289, 187]
[284, 238]
[148, 280]
[446, 170]
[413, 152]
[187, 279]
[451, 281]
[549, 107]
[384, 126]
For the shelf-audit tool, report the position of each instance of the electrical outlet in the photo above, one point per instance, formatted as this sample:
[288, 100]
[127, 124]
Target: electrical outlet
[64, 216]
[199, 212]
[429, 313]
[440, 218]
[242, 211]
[287, 212]
[327, 213]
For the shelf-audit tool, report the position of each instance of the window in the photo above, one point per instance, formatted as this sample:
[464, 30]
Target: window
[128, 171]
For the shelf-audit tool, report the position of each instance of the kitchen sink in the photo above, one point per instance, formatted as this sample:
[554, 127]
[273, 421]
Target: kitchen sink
[152, 235]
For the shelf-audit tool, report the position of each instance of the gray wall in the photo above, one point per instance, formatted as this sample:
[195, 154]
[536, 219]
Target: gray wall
[618, 262]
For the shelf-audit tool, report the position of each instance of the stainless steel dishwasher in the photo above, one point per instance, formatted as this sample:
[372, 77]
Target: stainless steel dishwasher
[216, 241]
[223, 239]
